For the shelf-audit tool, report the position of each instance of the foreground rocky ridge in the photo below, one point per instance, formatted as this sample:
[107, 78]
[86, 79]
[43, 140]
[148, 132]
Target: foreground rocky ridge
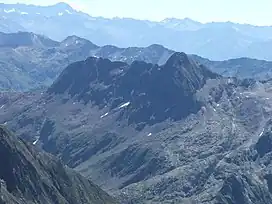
[176, 133]
[29, 176]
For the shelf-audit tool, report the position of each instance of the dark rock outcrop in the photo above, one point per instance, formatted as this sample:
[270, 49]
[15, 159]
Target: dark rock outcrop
[29, 176]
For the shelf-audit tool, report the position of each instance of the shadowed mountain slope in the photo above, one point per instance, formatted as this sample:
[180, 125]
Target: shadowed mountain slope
[29, 176]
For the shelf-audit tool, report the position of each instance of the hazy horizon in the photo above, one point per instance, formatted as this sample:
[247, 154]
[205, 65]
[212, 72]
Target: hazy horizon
[243, 12]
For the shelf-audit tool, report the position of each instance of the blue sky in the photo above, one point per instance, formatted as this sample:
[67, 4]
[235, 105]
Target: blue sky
[241, 11]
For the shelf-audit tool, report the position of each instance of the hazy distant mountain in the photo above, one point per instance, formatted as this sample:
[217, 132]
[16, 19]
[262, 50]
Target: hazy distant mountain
[24, 39]
[240, 67]
[176, 133]
[181, 25]
[217, 41]
[29, 61]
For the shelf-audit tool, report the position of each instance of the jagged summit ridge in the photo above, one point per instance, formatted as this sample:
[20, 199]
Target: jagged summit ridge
[29, 9]
[150, 89]
[76, 42]
[63, 5]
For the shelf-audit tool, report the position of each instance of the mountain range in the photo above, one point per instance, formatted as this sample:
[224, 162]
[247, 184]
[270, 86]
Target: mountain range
[30, 61]
[102, 112]
[215, 41]
[30, 176]
[147, 133]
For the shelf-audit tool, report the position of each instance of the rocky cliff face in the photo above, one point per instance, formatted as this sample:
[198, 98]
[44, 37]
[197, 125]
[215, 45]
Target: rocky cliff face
[147, 89]
[29, 176]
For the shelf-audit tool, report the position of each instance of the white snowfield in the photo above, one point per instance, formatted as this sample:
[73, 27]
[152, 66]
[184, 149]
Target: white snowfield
[103, 116]
[124, 105]
[10, 11]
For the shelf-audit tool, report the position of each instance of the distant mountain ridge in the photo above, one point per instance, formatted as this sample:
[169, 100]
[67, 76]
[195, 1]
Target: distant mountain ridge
[216, 40]
[25, 39]
[24, 9]
[29, 61]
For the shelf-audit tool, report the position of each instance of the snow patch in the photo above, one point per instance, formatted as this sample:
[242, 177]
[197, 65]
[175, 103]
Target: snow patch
[24, 13]
[124, 105]
[2, 106]
[35, 142]
[214, 110]
[233, 125]
[69, 12]
[261, 134]
[9, 11]
[102, 116]
[217, 105]
[60, 14]
[236, 29]
[38, 13]
[149, 134]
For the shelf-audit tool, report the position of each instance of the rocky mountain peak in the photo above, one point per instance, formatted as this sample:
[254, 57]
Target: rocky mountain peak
[159, 91]
[157, 47]
[185, 70]
[63, 5]
[177, 59]
[76, 41]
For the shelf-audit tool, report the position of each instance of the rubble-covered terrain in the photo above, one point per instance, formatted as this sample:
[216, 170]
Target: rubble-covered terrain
[175, 133]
